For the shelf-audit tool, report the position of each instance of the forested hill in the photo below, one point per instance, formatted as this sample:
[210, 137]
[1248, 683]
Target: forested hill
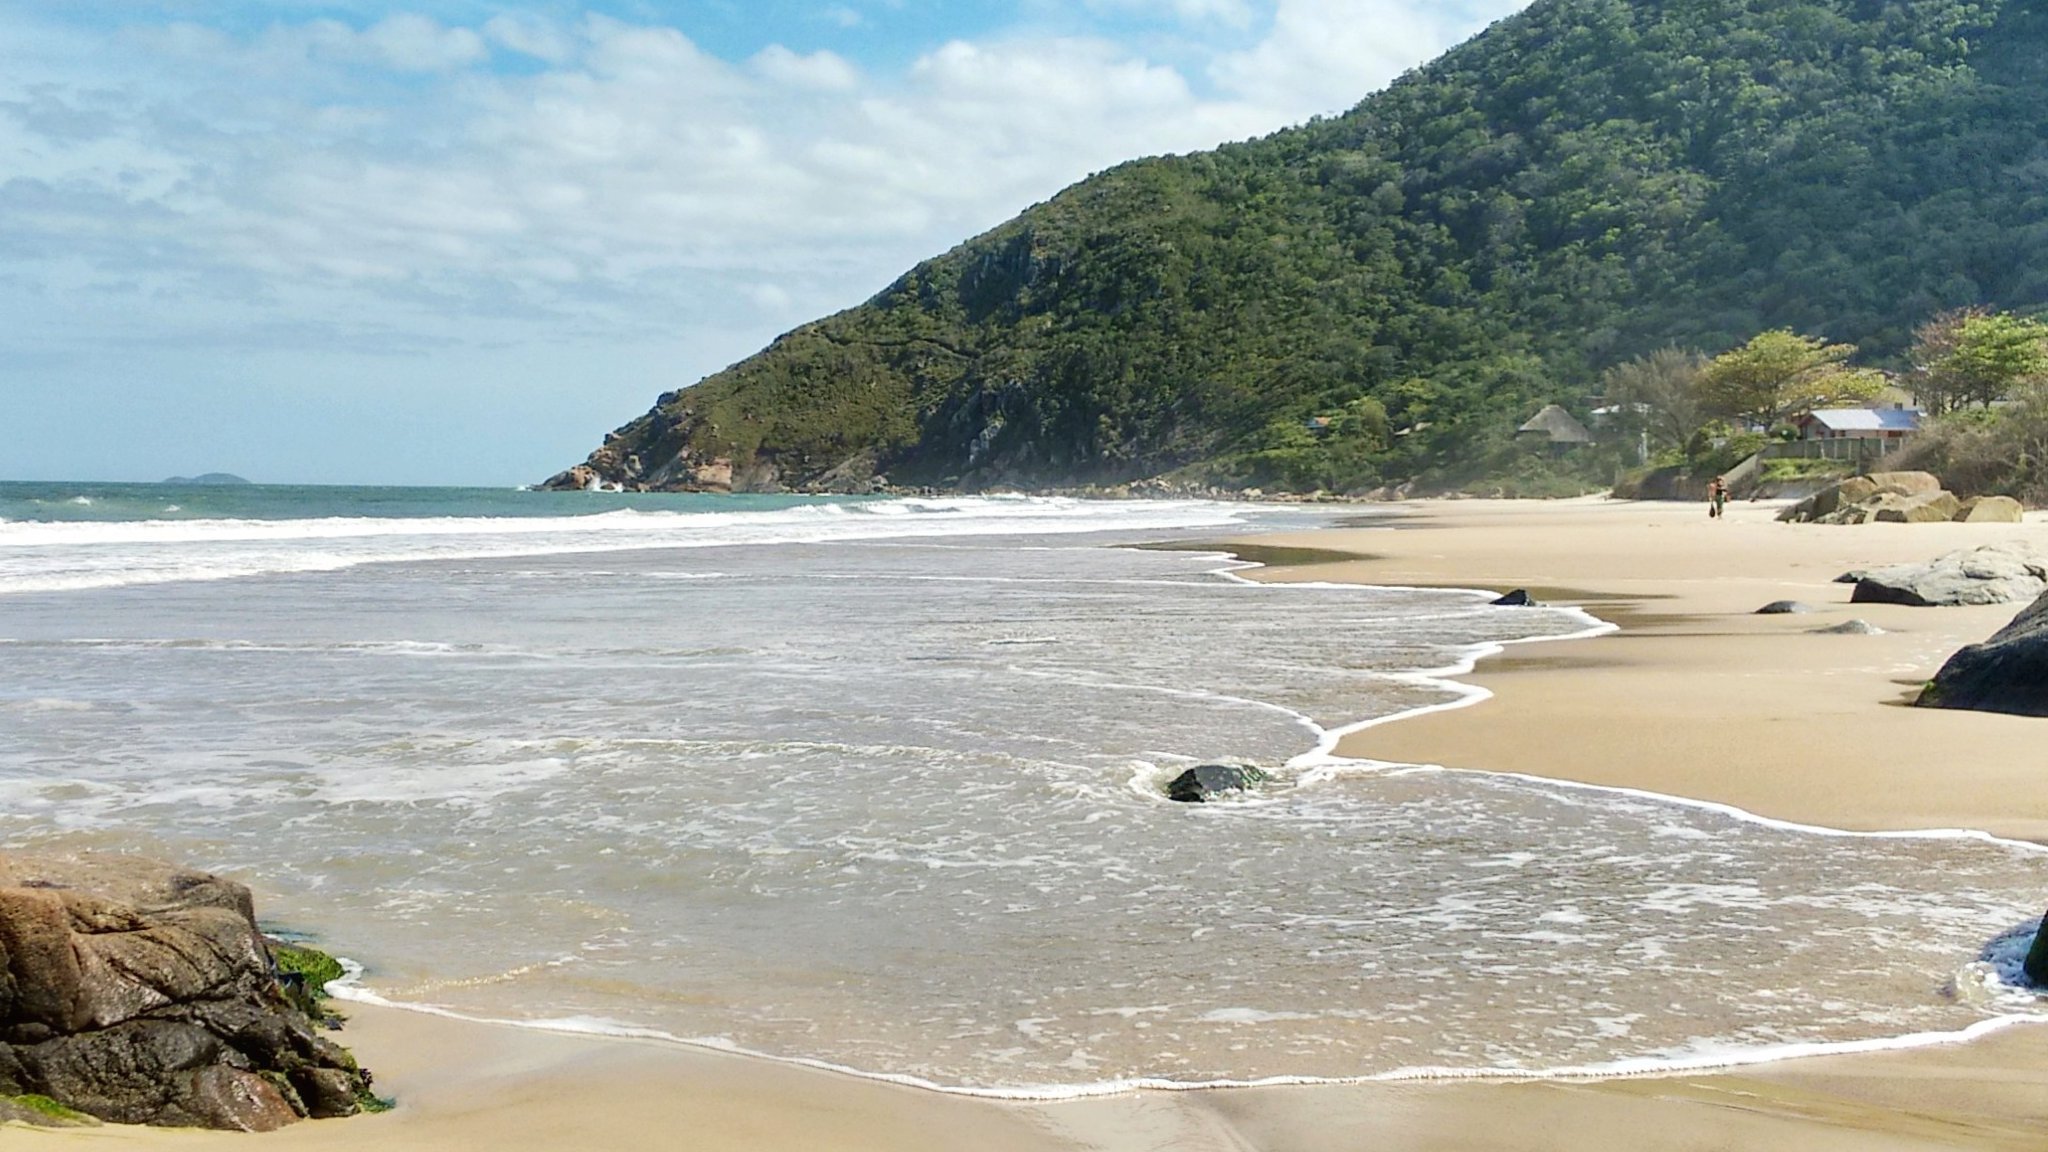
[1581, 183]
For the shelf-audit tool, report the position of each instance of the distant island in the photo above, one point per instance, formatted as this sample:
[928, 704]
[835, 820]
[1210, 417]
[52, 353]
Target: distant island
[221, 478]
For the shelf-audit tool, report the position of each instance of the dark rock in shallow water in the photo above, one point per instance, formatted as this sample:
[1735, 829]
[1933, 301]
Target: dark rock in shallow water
[144, 994]
[1850, 628]
[2007, 673]
[1519, 598]
[1784, 608]
[2037, 956]
[1199, 783]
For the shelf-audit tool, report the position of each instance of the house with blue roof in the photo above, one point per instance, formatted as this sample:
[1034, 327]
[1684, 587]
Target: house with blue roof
[1891, 424]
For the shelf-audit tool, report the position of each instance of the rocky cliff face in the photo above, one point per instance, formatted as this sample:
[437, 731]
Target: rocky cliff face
[142, 993]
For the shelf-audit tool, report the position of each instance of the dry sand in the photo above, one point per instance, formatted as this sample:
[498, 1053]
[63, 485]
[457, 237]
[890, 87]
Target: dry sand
[1695, 697]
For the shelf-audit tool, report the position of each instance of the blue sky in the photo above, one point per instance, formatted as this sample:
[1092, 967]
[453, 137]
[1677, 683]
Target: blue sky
[453, 241]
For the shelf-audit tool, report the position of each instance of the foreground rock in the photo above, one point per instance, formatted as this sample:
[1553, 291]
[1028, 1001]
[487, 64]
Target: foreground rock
[2004, 573]
[1207, 781]
[141, 993]
[1899, 498]
[2007, 673]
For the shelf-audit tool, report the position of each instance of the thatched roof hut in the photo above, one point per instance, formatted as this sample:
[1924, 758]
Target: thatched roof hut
[1554, 426]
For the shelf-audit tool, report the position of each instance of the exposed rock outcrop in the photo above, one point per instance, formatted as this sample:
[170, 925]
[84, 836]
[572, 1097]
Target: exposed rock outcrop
[1206, 781]
[142, 993]
[2007, 673]
[1784, 608]
[1899, 498]
[2037, 956]
[2002, 573]
[1519, 598]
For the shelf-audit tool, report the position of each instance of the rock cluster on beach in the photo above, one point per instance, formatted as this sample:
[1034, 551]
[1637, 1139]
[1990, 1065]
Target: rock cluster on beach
[1900, 498]
[2003, 573]
[142, 993]
[2007, 673]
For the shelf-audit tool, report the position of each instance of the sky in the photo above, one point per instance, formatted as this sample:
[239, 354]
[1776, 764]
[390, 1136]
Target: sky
[456, 241]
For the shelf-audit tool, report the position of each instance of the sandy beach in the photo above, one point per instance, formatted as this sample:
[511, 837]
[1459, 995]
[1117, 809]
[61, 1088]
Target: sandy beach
[1694, 697]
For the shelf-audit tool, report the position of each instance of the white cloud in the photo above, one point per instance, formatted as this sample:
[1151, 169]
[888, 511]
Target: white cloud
[633, 183]
[529, 35]
[404, 43]
[416, 44]
[1325, 55]
[821, 71]
[1231, 13]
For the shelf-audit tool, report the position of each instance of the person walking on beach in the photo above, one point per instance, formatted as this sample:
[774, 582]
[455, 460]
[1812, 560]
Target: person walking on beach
[1717, 497]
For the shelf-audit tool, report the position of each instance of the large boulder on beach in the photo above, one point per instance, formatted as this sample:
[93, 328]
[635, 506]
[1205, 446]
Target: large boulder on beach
[143, 993]
[1854, 490]
[1990, 510]
[2003, 573]
[2007, 673]
[1919, 508]
[1207, 781]
[1905, 483]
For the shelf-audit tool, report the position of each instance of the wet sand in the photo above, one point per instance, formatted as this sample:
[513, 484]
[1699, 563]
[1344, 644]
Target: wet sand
[1695, 697]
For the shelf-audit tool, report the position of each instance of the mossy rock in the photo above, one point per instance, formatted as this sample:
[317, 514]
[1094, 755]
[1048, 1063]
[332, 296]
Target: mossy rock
[304, 973]
[42, 1112]
[369, 1102]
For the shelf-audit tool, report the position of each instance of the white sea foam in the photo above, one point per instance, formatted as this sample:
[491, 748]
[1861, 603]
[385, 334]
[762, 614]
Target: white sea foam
[71, 555]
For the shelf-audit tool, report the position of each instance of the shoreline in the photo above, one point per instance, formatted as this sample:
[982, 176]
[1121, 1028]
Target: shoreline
[1689, 697]
[1324, 761]
[1875, 1099]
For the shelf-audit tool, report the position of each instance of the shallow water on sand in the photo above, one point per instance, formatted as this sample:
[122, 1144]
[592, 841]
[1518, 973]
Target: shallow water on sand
[894, 805]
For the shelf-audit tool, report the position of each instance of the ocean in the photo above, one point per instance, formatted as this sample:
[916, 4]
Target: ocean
[877, 784]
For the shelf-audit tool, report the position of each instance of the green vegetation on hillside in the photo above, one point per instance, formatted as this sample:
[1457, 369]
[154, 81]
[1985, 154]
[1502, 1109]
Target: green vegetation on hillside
[1383, 296]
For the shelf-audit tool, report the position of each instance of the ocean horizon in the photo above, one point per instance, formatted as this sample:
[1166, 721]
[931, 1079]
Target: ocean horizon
[879, 784]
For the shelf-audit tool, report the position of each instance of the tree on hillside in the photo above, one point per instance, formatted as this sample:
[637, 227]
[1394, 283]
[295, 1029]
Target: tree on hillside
[1974, 356]
[1658, 395]
[1932, 358]
[1781, 374]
